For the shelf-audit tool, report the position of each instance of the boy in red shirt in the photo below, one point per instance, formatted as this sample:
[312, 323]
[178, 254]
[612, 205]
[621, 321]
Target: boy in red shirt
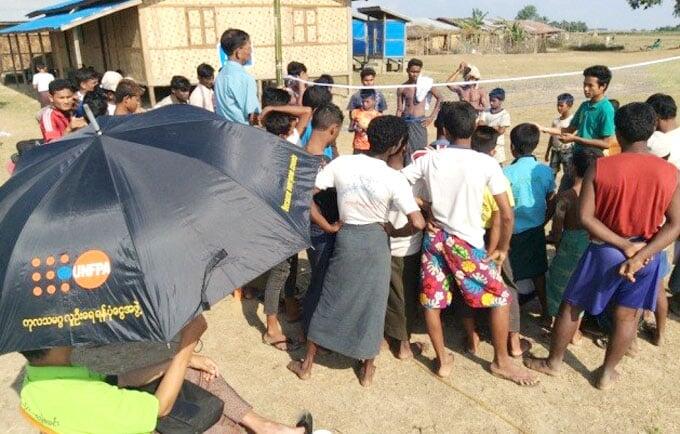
[361, 117]
[622, 264]
[57, 120]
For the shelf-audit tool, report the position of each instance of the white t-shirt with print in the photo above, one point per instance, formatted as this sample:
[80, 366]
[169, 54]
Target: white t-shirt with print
[367, 188]
[455, 179]
[497, 120]
[559, 124]
[42, 81]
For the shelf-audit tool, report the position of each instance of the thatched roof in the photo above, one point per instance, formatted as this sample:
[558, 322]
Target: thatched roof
[420, 27]
[538, 28]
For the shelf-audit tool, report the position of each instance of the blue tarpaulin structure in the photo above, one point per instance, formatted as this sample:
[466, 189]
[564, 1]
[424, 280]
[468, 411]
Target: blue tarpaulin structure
[69, 14]
[381, 36]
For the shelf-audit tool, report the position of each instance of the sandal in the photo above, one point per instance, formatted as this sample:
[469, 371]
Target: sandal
[306, 421]
[290, 344]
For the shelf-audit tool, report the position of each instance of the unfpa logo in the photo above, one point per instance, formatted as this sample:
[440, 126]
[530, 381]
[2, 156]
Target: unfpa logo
[89, 271]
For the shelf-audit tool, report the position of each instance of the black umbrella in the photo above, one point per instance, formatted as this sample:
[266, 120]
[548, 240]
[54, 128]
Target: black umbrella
[127, 235]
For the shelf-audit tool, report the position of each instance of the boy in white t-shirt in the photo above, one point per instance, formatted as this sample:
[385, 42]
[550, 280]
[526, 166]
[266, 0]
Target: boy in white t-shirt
[41, 83]
[203, 94]
[456, 178]
[561, 153]
[497, 118]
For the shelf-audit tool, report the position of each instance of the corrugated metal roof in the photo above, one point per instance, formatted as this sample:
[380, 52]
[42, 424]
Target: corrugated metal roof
[379, 12]
[65, 21]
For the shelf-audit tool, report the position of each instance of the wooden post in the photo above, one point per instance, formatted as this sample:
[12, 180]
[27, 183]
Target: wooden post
[76, 47]
[101, 44]
[278, 44]
[21, 60]
[30, 50]
[42, 50]
[14, 63]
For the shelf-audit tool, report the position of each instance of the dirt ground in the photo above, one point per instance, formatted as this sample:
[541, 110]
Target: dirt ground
[406, 397]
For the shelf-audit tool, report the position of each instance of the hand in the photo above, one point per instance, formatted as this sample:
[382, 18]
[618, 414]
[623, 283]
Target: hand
[426, 122]
[568, 137]
[206, 365]
[633, 248]
[334, 228]
[498, 256]
[77, 123]
[632, 266]
[462, 66]
[432, 226]
[193, 331]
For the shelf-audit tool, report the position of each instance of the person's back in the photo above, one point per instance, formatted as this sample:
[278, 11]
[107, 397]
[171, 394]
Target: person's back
[632, 193]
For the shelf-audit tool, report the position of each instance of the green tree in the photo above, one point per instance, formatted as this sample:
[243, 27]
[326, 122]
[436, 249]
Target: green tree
[528, 12]
[477, 19]
[646, 4]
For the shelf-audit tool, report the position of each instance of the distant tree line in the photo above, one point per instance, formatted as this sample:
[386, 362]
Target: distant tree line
[530, 12]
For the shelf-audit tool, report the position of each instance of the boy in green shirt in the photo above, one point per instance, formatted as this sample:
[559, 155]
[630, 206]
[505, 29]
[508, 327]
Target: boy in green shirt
[61, 398]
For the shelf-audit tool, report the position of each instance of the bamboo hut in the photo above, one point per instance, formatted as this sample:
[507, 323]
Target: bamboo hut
[18, 53]
[428, 36]
[152, 40]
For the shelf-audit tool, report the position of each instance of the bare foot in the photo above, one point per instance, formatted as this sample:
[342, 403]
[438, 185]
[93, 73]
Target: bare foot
[384, 345]
[277, 428]
[524, 346]
[576, 339]
[280, 342]
[445, 366]
[634, 349]
[541, 365]
[516, 374]
[407, 350]
[607, 379]
[297, 367]
[366, 375]
[472, 343]
[657, 339]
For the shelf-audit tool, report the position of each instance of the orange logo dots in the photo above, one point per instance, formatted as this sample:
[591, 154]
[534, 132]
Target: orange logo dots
[35, 262]
[50, 275]
[37, 291]
[50, 260]
[91, 269]
[36, 277]
[51, 289]
[65, 287]
[64, 259]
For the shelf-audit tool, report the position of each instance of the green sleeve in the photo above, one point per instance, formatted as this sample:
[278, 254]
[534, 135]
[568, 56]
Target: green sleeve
[607, 122]
[576, 120]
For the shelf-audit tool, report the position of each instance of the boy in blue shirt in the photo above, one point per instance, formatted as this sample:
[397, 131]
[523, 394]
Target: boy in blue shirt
[533, 186]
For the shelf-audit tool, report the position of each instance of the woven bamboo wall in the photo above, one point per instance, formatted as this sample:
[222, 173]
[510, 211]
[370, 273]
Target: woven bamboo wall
[179, 35]
[25, 49]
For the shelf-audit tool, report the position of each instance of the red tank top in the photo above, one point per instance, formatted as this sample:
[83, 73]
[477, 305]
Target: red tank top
[632, 193]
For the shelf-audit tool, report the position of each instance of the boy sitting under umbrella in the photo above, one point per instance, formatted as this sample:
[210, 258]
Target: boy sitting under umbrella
[71, 399]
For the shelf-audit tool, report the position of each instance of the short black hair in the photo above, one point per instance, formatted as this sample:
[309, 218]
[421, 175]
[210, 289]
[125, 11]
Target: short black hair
[460, 120]
[484, 139]
[60, 84]
[39, 65]
[414, 62]
[367, 93]
[180, 82]
[205, 71]
[325, 79]
[326, 116]
[84, 74]
[497, 93]
[582, 160]
[635, 122]
[566, 98]
[439, 121]
[367, 71]
[272, 96]
[524, 138]
[233, 39]
[127, 88]
[316, 96]
[296, 68]
[601, 72]
[34, 355]
[97, 100]
[615, 103]
[278, 123]
[663, 105]
[385, 132]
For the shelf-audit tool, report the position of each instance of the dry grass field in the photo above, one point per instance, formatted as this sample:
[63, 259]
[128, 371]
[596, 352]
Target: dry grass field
[406, 397]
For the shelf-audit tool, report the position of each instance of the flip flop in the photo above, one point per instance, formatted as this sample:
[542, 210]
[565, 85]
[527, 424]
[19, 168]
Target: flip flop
[290, 344]
[306, 421]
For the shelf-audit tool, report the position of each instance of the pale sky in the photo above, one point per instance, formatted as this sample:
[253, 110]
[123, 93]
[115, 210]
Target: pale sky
[612, 14]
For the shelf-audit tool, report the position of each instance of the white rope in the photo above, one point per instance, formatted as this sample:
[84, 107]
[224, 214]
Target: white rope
[491, 80]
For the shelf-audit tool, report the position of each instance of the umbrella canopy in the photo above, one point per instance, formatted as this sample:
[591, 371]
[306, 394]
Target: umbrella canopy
[128, 235]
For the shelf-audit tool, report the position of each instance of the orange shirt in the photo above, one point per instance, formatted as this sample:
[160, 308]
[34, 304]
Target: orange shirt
[361, 118]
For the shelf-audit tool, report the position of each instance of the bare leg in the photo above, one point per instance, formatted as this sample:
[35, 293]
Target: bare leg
[661, 316]
[517, 346]
[433, 323]
[408, 349]
[625, 330]
[577, 334]
[502, 365]
[472, 335]
[366, 372]
[539, 285]
[565, 325]
[303, 368]
[260, 425]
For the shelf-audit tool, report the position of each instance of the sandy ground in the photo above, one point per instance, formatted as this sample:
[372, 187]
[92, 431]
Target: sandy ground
[406, 397]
